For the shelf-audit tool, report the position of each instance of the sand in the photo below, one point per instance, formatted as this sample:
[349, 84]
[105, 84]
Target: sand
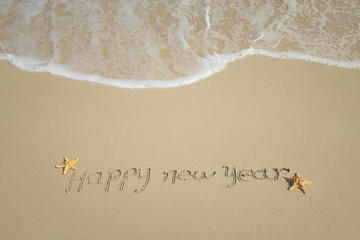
[257, 113]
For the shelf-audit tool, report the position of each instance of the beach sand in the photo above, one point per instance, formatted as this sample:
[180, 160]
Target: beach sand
[258, 113]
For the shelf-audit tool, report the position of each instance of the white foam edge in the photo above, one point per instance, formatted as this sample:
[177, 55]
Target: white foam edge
[212, 64]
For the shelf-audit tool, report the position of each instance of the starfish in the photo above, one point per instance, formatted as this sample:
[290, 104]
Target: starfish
[297, 182]
[68, 165]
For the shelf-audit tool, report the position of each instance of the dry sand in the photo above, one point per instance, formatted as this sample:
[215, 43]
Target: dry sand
[258, 113]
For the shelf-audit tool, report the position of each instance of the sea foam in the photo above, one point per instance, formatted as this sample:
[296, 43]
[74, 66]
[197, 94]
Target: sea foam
[167, 43]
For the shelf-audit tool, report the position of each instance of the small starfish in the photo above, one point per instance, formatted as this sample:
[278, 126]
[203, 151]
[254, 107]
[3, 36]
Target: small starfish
[68, 165]
[297, 182]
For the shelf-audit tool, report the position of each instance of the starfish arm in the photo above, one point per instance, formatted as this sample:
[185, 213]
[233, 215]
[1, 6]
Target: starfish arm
[292, 187]
[302, 189]
[65, 170]
[306, 182]
[61, 166]
[73, 168]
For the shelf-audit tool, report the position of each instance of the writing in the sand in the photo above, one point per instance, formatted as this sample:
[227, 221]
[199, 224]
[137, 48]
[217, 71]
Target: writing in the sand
[140, 178]
[124, 176]
[247, 175]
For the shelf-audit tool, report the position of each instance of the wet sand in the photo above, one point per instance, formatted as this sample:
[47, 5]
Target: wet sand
[259, 113]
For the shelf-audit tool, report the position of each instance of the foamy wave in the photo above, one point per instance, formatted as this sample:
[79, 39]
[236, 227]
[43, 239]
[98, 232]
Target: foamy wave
[142, 44]
[218, 63]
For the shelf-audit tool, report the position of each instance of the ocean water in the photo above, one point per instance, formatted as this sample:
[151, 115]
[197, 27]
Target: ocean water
[168, 43]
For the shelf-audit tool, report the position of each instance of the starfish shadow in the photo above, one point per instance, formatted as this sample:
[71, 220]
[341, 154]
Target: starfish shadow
[288, 182]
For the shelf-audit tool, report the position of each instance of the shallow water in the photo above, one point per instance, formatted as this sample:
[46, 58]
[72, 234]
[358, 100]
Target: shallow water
[166, 43]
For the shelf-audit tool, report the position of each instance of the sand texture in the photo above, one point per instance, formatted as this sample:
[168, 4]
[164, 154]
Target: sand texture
[186, 162]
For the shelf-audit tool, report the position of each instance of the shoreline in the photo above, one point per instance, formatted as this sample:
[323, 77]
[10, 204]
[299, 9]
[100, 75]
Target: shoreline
[183, 81]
